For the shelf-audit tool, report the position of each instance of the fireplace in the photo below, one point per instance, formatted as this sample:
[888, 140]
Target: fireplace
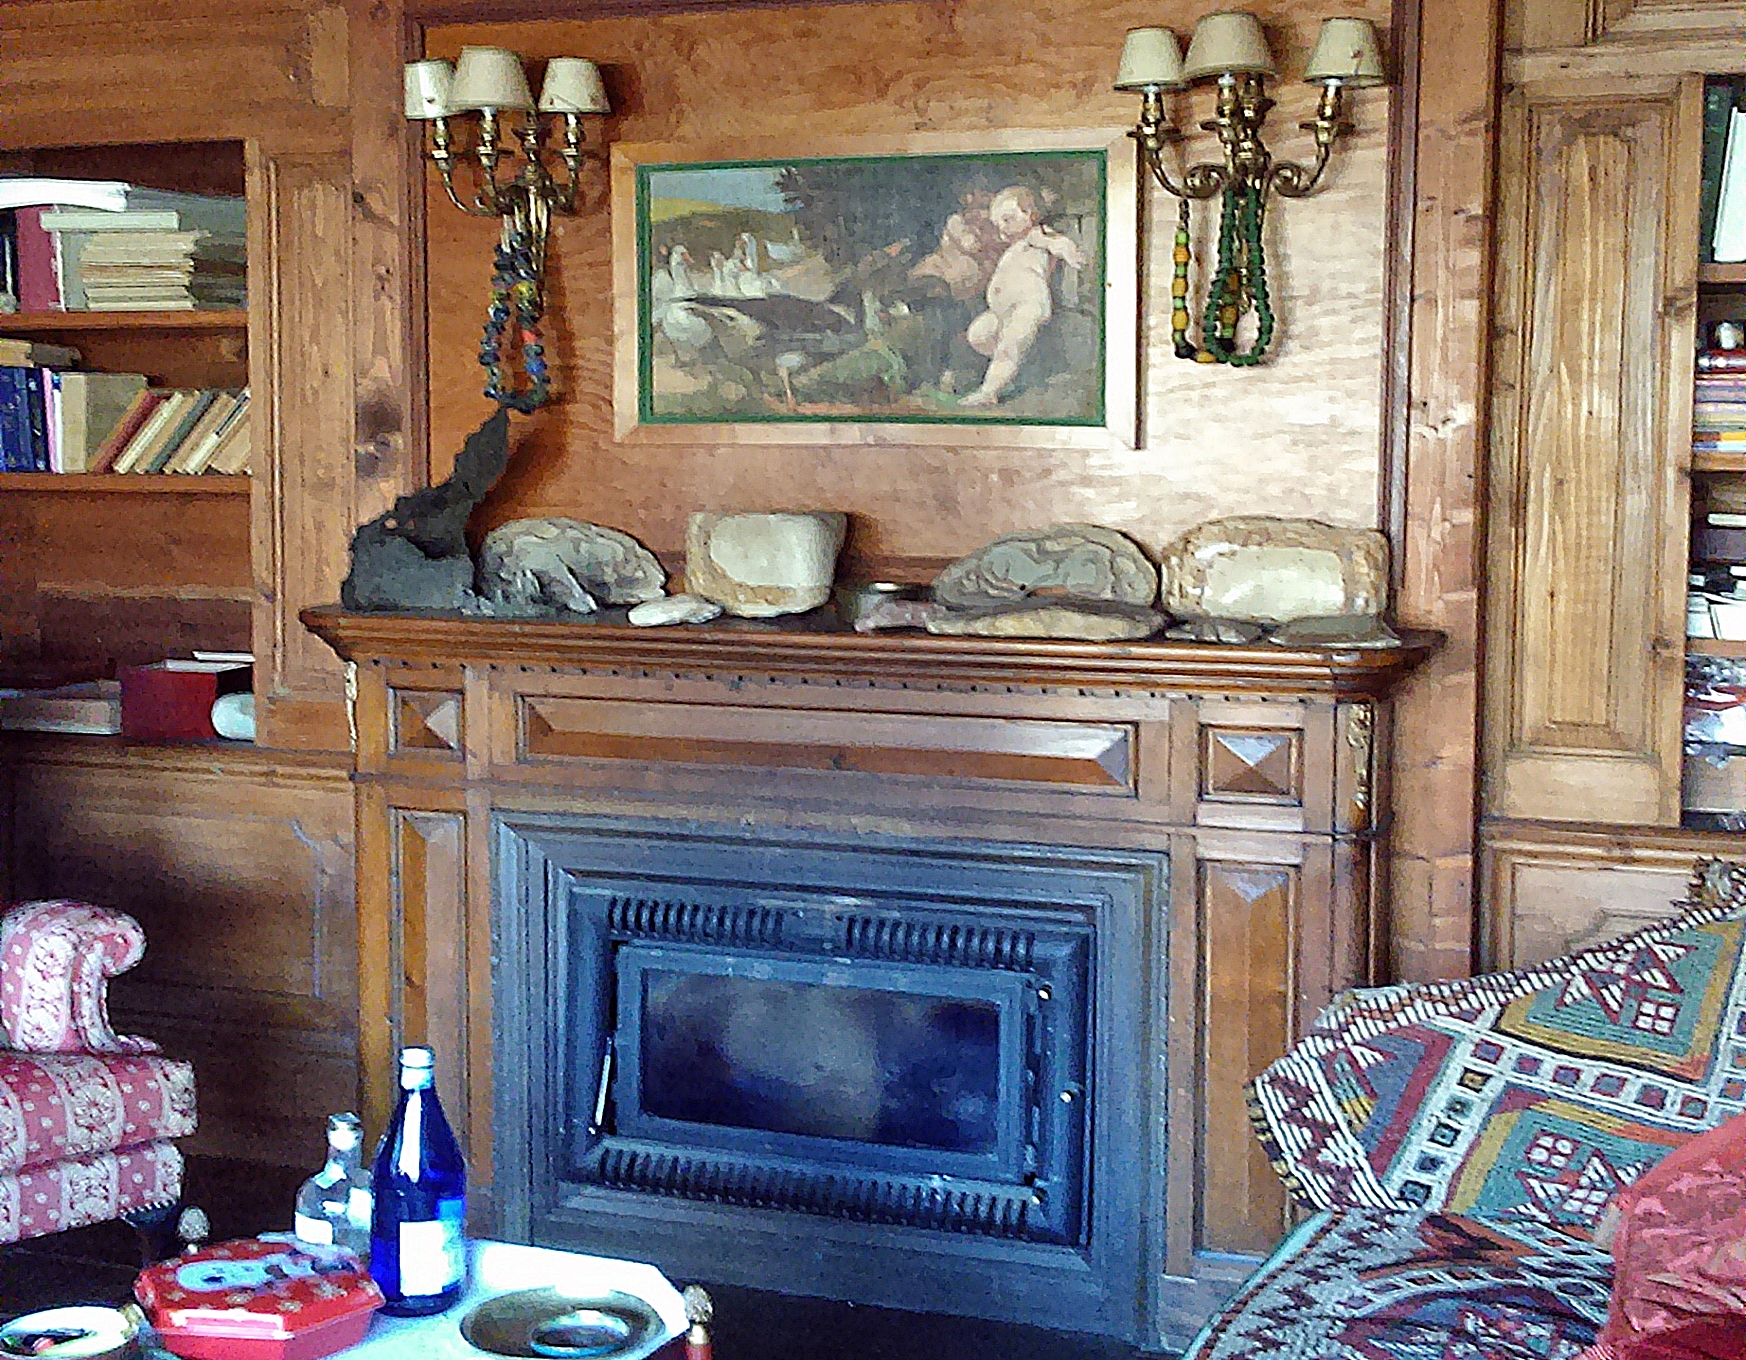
[628, 877]
[777, 1059]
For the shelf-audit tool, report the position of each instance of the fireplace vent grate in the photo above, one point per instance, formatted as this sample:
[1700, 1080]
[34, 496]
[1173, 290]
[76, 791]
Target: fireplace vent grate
[912, 1201]
[711, 923]
[953, 944]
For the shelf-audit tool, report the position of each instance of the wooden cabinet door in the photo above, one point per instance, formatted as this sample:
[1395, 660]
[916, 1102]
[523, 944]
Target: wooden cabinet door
[1590, 421]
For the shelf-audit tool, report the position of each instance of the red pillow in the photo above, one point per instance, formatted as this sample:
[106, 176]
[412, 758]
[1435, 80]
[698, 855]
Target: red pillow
[1679, 1256]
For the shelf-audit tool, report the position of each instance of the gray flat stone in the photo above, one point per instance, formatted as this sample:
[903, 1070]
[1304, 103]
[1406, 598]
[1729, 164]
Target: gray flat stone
[672, 609]
[1080, 621]
[529, 568]
[1067, 561]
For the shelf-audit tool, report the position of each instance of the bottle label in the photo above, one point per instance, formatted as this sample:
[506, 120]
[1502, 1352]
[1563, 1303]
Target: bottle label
[316, 1231]
[358, 1206]
[432, 1255]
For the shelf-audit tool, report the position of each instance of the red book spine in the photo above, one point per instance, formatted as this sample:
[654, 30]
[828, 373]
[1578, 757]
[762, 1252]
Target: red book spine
[38, 289]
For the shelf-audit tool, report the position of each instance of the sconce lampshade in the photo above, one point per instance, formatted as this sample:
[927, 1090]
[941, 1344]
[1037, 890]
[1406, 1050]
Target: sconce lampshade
[1346, 54]
[1150, 57]
[427, 89]
[489, 78]
[1228, 43]
[573, 86]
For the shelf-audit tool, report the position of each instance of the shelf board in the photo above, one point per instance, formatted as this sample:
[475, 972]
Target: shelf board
[47, 323]
[1722, 273]
[1719, 460]
[141, 483]
[1730, 647]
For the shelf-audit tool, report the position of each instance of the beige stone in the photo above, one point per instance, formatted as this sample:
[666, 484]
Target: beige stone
[1340, 631]
[1081, 621]
[760, 565]
[1265, 570]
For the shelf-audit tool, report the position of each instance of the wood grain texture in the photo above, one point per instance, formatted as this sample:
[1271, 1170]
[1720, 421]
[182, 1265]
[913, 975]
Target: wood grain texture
[1451, 79]
[89, 581]
[301, 417]
[1307, 422]
[1247, 913]
[1553, 887]
[1590, 413]
[239, 866]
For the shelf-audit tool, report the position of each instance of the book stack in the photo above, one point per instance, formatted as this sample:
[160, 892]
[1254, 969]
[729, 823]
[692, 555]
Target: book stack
[51, 419]
[180, 430]
[1718, 409]
[101, 245]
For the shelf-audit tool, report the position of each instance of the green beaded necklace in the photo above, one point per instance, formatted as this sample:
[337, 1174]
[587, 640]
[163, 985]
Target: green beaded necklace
[1239, 282]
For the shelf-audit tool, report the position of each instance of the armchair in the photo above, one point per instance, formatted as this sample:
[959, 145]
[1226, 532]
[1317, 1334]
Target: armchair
[1457, 1142]
[86, 1114]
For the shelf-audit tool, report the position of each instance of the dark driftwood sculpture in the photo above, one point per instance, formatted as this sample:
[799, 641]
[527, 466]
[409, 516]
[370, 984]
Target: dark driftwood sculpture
[415, 555]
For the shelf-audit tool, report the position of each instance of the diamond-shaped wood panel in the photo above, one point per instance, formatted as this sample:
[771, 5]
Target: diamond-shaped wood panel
[1251, 766]
[426, 720]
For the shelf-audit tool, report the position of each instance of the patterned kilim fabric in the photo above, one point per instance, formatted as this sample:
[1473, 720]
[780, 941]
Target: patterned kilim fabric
[1389, 1284]
[1463, 1138]
[1523, 1097]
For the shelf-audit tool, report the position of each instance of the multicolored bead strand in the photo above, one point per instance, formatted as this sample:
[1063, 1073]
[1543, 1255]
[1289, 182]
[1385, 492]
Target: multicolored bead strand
[1180, 258]
[515, 295]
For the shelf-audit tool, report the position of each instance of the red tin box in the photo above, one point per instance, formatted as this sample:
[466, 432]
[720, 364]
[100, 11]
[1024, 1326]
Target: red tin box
[259, 1299]
[172, 700]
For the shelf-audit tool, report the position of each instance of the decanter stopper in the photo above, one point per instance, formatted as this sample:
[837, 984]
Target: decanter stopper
[699, 1311]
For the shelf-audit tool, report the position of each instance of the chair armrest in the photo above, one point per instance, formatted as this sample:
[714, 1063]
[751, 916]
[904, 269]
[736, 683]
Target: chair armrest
[56, 959]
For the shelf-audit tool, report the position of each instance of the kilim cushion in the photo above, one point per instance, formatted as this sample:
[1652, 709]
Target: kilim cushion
[1524, 1099]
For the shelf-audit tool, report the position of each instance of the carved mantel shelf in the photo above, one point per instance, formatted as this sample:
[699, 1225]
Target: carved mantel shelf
[808, 649]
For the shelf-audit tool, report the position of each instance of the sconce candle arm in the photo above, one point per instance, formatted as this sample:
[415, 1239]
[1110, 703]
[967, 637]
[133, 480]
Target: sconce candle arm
[1299, 181]
[1153, 133]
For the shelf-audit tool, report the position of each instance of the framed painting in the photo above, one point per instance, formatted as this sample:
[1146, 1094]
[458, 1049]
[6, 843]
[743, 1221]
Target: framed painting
[915, 290]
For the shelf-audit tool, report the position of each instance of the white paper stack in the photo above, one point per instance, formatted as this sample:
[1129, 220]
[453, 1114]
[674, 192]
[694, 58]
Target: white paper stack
[1729, 240]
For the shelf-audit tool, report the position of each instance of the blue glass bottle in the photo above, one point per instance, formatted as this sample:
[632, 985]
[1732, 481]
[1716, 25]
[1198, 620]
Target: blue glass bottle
[417, 1237]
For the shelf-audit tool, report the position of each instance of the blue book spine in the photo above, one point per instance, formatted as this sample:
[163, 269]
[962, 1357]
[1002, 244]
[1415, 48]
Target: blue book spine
[36, 410]
[14, 421]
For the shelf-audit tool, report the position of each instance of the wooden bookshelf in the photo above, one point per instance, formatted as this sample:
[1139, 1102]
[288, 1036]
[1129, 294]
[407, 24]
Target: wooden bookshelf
[154, 483]
[1718, 460]
[1722, 273]
[1729, 647]
[52, 323]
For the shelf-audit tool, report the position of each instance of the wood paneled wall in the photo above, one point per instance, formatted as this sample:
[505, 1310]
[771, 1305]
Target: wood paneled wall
[1298, 436]
[239, 866]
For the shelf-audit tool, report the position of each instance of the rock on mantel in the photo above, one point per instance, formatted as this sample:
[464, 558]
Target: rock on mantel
[817, 646]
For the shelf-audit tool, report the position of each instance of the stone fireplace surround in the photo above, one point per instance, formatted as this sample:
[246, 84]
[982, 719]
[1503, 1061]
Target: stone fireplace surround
[1256, 774]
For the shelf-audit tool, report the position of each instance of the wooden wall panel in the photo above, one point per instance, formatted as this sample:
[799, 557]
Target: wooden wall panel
[1552, 889]
[1306, 422]
[302, 415]
[240, 870]
[1587, 501]
[1247, 942]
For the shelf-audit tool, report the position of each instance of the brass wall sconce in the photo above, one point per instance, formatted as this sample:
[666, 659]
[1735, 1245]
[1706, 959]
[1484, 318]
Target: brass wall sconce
[483, 83]
[1229, 48]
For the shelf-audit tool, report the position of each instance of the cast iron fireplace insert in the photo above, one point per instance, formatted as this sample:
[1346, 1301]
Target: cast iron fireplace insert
[812, 1064]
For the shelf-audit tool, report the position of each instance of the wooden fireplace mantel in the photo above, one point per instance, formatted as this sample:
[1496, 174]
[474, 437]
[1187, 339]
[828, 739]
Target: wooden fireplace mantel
[811, 650]
[1257, 774]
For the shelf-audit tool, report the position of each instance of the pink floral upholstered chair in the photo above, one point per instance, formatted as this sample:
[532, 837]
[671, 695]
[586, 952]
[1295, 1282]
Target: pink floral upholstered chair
[86, 1114]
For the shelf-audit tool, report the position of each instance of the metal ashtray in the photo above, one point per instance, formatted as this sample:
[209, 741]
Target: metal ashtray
[75, 1333]
[546, 1322]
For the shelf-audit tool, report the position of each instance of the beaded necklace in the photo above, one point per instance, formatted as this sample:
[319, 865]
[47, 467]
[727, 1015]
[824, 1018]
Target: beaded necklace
[1240, 281]
[515, 292]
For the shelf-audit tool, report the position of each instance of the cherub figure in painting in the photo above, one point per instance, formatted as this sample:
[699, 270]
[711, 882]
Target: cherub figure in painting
[1019, 298]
